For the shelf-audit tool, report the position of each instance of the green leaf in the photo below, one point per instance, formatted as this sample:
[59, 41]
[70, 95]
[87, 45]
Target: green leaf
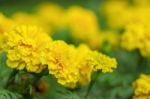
[5, 94]
[67, 95]
[30, 89]
[4, 70]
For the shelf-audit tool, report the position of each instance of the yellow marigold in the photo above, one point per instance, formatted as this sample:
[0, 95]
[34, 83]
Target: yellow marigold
[142, 2]
[22, 18]
[103, 62]
[142, 87]
[24, 46]
[129, 40]
[115, 12]
[51, 14]
[73, 66]
[83, 26]
[136, 36]
[61, 63]
[5, 25]
[89, 61]
[120, 13]
[84, 62]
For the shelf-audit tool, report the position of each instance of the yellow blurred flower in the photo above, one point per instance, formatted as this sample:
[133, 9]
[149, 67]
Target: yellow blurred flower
[136, 36]
[115, 12]
[23, 18]
[142, 87]
[24, 46]
[120, 13]
[51, 14]
[83, 26]
[5, 25]
[142, 2]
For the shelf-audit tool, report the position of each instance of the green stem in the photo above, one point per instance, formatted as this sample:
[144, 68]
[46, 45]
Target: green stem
[11, 78]
[88, 90]
[140, 63]
[95, 78]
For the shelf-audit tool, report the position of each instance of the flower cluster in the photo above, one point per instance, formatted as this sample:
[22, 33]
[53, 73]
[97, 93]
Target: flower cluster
[29, 48]
[142, 87]
[133, 20]
[73, 66]
[121, 13]
[81, 23]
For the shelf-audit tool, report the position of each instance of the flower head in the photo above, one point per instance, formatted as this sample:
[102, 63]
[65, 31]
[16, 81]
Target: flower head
[61, 63]
[5, 25]
[51, 14]
[22, 18]
[83, 26]
[141, 41]
[24, 46]
[142, 87]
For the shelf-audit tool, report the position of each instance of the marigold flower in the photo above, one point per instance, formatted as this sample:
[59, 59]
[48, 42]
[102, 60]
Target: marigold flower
[83, 26]
[73, 66]
[142, 2]
[115, 13]
[51, 14]
[89, 61]
[141, 41]
[22, 18]
[103, 62]
[142, 87]
[61, 63]
[5, 25]
[24, 46]
[84, 62]
[120, 13]
[29, 48]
